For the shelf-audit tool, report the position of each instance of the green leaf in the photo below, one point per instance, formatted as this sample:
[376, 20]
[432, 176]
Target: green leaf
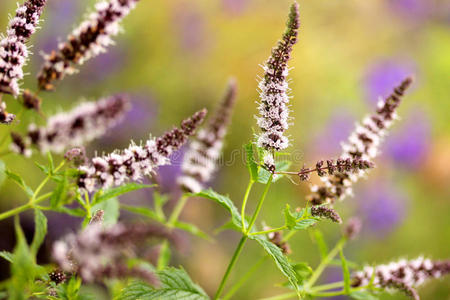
[263, 175]
[363, 295]
[321, 244]
[2, 172]
[281, 261]
[111, 210]
[60, 193]
[251, 163]
[43, 168]
[303, 271]
[225, 202]
[76, 212]
[175, 285]
[144, 211]
[303, 224]
[19, 181]
[22, 267]
[7, 256]
[191, 228]
[345, 272]
[50, 161]
[120, 190]
[289, 219]
[40, 231]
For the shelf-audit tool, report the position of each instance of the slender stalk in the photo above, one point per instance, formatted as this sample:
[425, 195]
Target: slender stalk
[244, 278]
[324, 263]
[238, 250]
[282, 297]
[15, 211]
[177, 210]
[328, 286]
[328, 294]
[269, 230]
[236, 254]
[244, 203]
[260, 203]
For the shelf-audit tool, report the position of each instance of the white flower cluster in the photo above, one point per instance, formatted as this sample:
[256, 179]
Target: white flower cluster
[84, 123]
[98, 252]
[88, 40]
[363, 143]
[403, 274]
[13, 50]
[273, 108]
[200, 161]
[135, 162]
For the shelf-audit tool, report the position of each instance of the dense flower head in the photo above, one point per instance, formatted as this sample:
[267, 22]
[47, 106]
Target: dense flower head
[87, 121]
[403, 274]
[200, 161]
[347, 166]
[273, 108]
[326, 213]
[97, 253]
[13, 50]
[88, 40]
[364, 144]
[136, 161]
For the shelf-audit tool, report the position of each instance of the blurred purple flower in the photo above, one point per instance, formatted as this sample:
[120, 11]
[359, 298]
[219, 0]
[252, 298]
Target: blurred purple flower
[327, 141]
[190, 29]
[235, 7]
[383, 75]
[414, 10]
[381, 206]
[168, 174]
[409, 145]
[102, 66]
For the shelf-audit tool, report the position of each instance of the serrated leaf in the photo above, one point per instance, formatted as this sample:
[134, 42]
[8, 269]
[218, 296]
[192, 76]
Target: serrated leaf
[280, 260]
[20, 182]
[305, 223]
[225, 202]
[111, 211]
[303, 271]
[363, 295]
[60, 192]
[40, 231]
[252, 166]
[289, 219]
[144, 211]
[191, 228]
[7, 256]
[264, 175]
[345, 272]
[321, 244]
[175, 285]
[120, 190]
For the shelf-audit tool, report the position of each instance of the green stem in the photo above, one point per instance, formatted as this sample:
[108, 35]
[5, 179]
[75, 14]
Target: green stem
[324, 263]
[282, 297]
[244, 202]
[15, 211]
[244, 278]
[269, 230]
[328, 294]
[177, 210]
[238, 250]
[328, 286]
[236, 254]
[260, 203]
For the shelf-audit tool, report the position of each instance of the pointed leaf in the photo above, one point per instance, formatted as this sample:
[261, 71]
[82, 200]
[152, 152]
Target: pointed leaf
[263, 175]
[144, 211]
[281, 261]
[303, 271]
[191, 228]
[40, 231]
[60, 193]
[20, 182]
[251, 163]
[120, 190]
[225, 202]
[7, 256]
[289, 218]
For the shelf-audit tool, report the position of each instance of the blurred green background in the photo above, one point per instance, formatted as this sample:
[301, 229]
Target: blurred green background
[175, 57]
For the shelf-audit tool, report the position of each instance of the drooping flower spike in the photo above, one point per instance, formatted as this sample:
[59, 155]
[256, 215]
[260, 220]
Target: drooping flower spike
[84, 123]
[403, 275]
[135, 162]
[200, 160]
[88, 40]
[363, 143]
[13, 49]
[273, 108]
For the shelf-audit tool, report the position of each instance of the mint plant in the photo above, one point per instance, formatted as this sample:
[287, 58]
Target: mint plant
[106, 251]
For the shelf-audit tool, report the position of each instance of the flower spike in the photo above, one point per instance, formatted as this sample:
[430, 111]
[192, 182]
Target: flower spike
[199, 162]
